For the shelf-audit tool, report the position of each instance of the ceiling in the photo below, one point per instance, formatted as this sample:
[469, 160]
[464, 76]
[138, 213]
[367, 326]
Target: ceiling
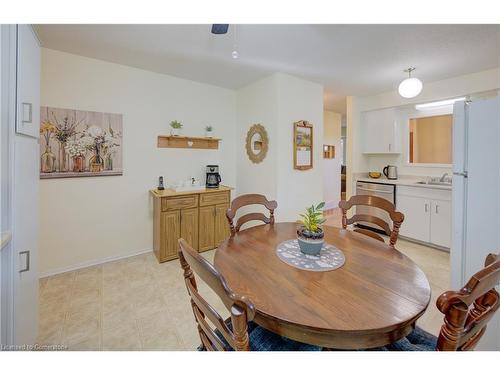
[346, 59]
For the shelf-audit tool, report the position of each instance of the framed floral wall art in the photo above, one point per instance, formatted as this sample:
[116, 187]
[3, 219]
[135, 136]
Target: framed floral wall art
[77, 143]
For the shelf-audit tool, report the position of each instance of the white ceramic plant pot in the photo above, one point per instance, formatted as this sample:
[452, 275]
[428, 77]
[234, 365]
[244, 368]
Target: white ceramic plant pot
[209, 134]
[175, 132]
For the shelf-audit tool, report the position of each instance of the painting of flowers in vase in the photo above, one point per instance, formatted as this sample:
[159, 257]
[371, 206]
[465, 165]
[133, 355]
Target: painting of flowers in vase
[77, 143]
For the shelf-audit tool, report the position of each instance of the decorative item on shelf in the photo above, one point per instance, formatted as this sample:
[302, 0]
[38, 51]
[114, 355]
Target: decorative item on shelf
[302, 145]
[160, 183]
[209, 131]
[257, 143]
[374, 174]
[310, 235]
[176, 127]
[87, 143]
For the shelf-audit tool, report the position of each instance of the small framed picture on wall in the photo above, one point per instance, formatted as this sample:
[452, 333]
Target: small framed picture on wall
[302, 145]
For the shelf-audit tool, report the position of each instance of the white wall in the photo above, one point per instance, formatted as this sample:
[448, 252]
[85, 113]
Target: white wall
[88, 220]
[257, 104]
[298, 100]
[276, 102]
[432, 91]
[331, 167]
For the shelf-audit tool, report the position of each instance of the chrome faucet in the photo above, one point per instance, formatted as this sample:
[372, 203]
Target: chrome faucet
[443, 177]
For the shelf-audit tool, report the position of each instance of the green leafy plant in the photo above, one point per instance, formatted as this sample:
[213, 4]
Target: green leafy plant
[208, 128]
[176, 124]
[313, 218]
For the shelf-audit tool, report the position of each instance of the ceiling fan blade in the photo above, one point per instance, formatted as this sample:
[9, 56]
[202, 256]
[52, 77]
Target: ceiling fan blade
[219, 28]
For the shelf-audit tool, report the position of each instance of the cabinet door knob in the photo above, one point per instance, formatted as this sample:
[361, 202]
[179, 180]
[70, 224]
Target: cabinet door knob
[426, 207]
[437, 208]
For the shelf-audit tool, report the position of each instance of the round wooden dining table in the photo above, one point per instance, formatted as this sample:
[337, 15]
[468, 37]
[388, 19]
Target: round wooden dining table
[372, 300]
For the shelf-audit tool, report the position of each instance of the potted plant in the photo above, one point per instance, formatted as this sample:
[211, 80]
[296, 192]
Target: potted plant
[208, 131]
[310, 234]
[176, 128]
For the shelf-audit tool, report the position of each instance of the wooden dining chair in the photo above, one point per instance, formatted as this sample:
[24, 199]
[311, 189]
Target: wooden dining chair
[247, 200]
[373, 201]
[238, 332]
[466, 314]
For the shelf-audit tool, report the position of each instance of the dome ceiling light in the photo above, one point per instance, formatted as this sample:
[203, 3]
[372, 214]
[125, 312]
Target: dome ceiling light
[411, 86]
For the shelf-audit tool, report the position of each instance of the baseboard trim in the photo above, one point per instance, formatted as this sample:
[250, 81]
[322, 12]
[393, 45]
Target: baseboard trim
[423, 243]
[90, 264]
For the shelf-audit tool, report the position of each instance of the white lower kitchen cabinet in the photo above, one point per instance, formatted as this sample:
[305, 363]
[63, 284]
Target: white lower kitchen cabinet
[427, 214]
[416, 223]
[441, 223]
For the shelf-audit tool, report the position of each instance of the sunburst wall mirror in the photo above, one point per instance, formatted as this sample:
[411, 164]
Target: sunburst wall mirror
[257, 143]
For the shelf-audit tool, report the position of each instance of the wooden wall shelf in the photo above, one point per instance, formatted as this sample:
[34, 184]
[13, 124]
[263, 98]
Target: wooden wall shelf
[171, 141]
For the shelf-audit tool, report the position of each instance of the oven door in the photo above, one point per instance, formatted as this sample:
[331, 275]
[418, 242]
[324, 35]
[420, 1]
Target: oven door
[385, 191]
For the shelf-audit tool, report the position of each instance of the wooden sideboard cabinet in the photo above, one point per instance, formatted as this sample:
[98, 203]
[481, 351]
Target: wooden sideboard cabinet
[197, 216]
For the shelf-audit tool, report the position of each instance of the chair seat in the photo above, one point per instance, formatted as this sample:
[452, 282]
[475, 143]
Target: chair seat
[417, 341]
[263, 340]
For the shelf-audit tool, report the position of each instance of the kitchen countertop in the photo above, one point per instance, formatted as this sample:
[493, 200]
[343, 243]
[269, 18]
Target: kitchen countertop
[172, 193]
[404, 181]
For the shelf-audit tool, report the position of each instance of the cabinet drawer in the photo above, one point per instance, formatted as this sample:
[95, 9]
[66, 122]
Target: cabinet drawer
[179, 203]
[209, 199]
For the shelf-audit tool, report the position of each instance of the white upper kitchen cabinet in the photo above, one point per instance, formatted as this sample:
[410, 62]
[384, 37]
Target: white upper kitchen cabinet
[380, 132]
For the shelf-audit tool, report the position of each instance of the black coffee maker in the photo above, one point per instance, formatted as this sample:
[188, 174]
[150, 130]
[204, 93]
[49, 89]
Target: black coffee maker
[213, 176]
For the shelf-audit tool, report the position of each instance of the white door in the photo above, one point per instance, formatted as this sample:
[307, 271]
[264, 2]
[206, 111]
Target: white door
[416, 224]
[441, 223]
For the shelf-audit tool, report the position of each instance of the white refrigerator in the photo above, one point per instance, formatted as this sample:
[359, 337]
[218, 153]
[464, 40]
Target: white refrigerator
[476, 196]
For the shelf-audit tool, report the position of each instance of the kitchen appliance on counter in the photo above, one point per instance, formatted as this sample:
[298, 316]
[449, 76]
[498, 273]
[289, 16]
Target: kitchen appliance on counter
[391, 172]
[213, 176]
[386, 191]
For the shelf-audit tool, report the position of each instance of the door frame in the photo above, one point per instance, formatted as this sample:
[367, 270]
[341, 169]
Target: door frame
[8, 54]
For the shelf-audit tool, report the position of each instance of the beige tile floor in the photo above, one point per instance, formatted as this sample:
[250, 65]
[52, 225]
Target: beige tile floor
[139, 304]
